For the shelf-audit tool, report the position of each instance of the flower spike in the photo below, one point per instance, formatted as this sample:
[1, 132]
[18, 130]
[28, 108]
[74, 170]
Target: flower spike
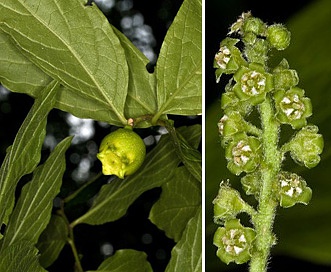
[252, 150]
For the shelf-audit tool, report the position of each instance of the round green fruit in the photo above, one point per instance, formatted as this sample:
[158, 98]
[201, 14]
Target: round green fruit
[121, 153]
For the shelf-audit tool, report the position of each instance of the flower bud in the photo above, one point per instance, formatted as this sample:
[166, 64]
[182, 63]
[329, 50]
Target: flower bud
[121, 153]
[230, 102]
[257, 52]
[284, 78]
[254, 25]
[278, 36]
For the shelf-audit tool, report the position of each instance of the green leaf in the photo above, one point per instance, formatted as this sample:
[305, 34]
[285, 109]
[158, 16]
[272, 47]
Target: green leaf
[179, 67]
[180, 199]
[141, 99]
[17, 73]
[78, 104]
[52, 240]
[189, 155]
[126, 260]
[74, 44]
[159, 166]
[20, 256]
[24, 155]
[34, 206]
[187, 254]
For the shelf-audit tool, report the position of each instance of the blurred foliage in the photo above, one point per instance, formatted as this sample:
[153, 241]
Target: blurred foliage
[303, 232]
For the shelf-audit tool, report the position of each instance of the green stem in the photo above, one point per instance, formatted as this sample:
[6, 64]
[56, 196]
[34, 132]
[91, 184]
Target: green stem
[263, 220]
[71, 240]
[78, 266]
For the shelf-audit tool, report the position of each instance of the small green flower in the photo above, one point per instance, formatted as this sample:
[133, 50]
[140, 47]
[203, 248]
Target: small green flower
[252, 83]
[230, 102]
[243, 153]
[228, 59]
[251, 183]
[234, 242]
[256, 49]
[228, 203]
[306, 146]
[284, 78]
[236, 27]
[231, 124]
[121, 153]
[292, 107]
[292, 190]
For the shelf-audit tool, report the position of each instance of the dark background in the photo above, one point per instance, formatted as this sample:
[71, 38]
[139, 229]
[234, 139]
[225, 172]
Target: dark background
[220, 14]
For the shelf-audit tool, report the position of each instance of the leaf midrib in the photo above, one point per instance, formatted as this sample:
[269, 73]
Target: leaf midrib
[72, 51]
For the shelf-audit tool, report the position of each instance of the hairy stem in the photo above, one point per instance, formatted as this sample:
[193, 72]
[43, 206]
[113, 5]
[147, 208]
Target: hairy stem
[263, 220]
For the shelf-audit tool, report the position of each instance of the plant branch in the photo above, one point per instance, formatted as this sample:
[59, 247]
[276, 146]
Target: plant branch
[70, 239]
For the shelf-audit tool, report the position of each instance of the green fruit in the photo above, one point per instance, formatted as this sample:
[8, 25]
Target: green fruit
[121, 153]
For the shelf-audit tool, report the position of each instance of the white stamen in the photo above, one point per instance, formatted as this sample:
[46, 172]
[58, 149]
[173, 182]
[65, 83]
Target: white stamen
[226, 59]
[289, 111]
[244, 159]
[254, 74]
[298, 190]
[232, 233]
[246, 148]
[242, 239]
[244, 77]
[226, 50]
[286, 100]
[254, 91]
[261, 82]
[296, 98]
[290, 192]
[283, 183]
[221, 65]
[228, 249]
[298, 114]
[238, 250]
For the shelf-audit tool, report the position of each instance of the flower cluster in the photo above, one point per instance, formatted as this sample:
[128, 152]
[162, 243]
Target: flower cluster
[253, 86]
